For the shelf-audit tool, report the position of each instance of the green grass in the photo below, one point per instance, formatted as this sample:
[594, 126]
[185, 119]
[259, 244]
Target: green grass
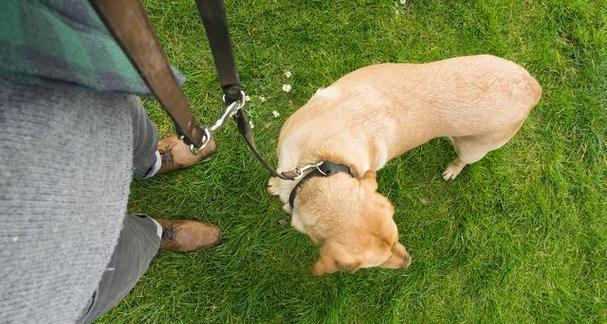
[520, 236]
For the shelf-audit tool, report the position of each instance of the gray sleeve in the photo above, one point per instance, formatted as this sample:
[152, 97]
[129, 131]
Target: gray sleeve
[65, 169]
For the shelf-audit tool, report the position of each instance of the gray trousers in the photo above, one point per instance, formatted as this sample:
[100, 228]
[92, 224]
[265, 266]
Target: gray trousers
[139, 241]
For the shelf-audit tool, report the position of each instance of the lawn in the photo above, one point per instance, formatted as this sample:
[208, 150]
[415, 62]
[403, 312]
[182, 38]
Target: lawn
[521, 236]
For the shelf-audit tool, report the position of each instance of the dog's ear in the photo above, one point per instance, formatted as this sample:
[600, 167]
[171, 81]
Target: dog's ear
[369, 181]
[324, 264]
[330, 261]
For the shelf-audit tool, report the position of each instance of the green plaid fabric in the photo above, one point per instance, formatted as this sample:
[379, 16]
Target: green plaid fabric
[63, 41]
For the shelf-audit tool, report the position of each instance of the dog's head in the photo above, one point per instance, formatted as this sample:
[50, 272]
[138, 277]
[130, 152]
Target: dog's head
[351, 222]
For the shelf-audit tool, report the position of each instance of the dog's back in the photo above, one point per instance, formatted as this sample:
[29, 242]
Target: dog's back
[405, 105]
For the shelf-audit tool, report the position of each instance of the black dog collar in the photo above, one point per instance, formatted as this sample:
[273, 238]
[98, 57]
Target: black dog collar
[326, 169]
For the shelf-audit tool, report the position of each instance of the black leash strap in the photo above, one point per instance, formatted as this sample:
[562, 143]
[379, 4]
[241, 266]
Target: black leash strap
[212, 13]
[127, 21]
[129, 25]
[244, 128]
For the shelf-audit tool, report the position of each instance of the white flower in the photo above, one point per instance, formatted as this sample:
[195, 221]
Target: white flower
[275, 113]
[251, 124]
[262, 98]
[247, 98]
[288, 73]
[286, 87]
[403, 2]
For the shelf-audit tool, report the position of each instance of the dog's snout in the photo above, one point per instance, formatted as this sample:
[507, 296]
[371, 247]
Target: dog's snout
[406, 261]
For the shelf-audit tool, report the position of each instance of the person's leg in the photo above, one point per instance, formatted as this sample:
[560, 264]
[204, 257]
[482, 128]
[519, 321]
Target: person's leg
[151, 157]
[141, 236]
[146, 159]
[138, 243]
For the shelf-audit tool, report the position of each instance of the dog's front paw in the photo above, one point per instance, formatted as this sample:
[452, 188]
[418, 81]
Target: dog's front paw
[273, 186]
[287, 208]
[453, 169]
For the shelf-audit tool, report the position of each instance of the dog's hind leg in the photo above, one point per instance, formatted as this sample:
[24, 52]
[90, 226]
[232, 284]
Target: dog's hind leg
[471, 149]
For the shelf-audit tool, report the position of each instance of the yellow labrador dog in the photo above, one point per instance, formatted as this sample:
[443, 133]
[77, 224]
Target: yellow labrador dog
[375, 114]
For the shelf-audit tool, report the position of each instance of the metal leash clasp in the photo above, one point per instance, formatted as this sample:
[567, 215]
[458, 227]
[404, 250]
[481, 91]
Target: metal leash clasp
[297, 173]
[230, 110]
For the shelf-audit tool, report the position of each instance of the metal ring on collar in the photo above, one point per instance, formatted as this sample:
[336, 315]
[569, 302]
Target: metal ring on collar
[301, 172]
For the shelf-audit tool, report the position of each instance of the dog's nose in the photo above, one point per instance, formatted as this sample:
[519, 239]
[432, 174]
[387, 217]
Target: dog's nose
[406, 261]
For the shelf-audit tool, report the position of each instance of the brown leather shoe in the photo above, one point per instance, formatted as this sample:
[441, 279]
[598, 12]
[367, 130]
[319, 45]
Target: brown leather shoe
[175, 154]
[187, 235]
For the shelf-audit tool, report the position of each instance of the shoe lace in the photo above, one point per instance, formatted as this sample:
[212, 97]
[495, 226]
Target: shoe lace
[168, 233]
[165, 156]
